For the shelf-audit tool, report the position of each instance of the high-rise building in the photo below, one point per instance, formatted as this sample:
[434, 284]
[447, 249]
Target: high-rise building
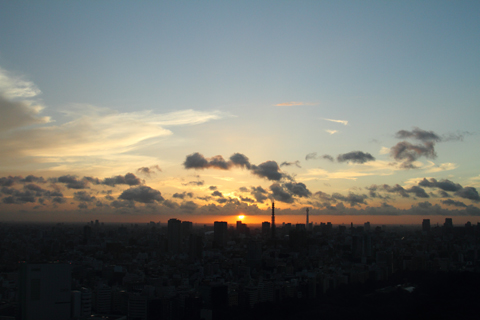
[273, 220]
[174, 235]
[426, 225]
[45, 291]
[103, 299]
[220, 233]
[265, 228]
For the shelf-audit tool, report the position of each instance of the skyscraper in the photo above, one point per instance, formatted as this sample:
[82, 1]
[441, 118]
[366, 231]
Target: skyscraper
[426, 225]
[174, 235]
[273, 220]
[45, 291]
[220, 233]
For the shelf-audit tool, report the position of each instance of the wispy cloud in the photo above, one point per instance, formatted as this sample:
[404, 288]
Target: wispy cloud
[344, 122]
[331, 131]
[442, 167]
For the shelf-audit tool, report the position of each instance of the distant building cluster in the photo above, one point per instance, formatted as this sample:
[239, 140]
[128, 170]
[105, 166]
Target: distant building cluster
[178, 270]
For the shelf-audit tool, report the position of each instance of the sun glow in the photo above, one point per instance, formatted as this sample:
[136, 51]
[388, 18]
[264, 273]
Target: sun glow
[241, 217]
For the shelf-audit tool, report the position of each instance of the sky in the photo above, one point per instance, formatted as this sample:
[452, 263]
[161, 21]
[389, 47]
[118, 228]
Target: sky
[127, 111]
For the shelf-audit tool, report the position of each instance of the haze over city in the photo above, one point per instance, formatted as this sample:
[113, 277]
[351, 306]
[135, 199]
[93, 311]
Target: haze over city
[128, 112]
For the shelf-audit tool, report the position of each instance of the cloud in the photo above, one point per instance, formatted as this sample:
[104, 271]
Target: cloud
[188, 206]
[83, 196]
[313, 155]
[182, 195]
[72, 182]
[194, 183]
[468, 193]
[17, 114]
[128, 179]
[279, 193]
[355, 157]
[442, 167]
[149, 170]
[240, 160]
[419, 192]
[384, 150]
[352, 198]
[89, 132]
[259, 194]
[418, 134]
[344, 122]
[298, 189]
[269, 170]
[445, 184]
[217, 194]
[331, 131]
[296, 163]
[407, 153]
[198, 161]
[310, 156]
[143, 194]
[451, 202]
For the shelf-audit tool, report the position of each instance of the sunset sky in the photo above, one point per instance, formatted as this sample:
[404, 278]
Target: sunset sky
[203, 110]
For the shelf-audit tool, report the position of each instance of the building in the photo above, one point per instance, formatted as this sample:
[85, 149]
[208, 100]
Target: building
[45, 291]
[426, 225]
[174, 235]
[265, 228]
[220, 233]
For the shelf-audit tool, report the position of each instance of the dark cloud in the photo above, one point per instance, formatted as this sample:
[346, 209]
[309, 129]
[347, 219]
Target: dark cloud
[222, 200]
[72, 182]
[128, 179]
[352, 198]
[143, 194]
[298, 189]
[445, 185]
[295, 163]
[83, 206]
[418, 134]
[182, 195]
[188, 206]
[328, 157]
[322, 195]
[279, 193]
[424, 205]
[212, 188]
[418, 191]
[20, 197]
[196, 161]
[217, 194]
[243, 189]
[240, 160]
[7, 181]
[390, 189]
[259, 194]
[194, 183]
[313, 155]
[407, 153]
[249, 200]
[468, 193]
[310, 156]
[149, 170]
[217, 162]
[170, 204]
[451, 202]
[59, 200]
[123, 204]
[83, 196]
[355, 157]
[269, 170]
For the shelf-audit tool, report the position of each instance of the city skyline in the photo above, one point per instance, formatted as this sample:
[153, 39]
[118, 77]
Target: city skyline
[205, 111]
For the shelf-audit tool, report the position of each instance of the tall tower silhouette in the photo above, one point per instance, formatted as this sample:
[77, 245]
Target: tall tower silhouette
[273, 220]
[307, 225]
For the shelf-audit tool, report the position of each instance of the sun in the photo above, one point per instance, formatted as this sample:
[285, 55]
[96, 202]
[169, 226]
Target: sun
[241, 217]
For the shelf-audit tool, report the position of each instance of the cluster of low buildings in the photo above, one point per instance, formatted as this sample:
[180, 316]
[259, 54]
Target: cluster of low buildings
[178, 270]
